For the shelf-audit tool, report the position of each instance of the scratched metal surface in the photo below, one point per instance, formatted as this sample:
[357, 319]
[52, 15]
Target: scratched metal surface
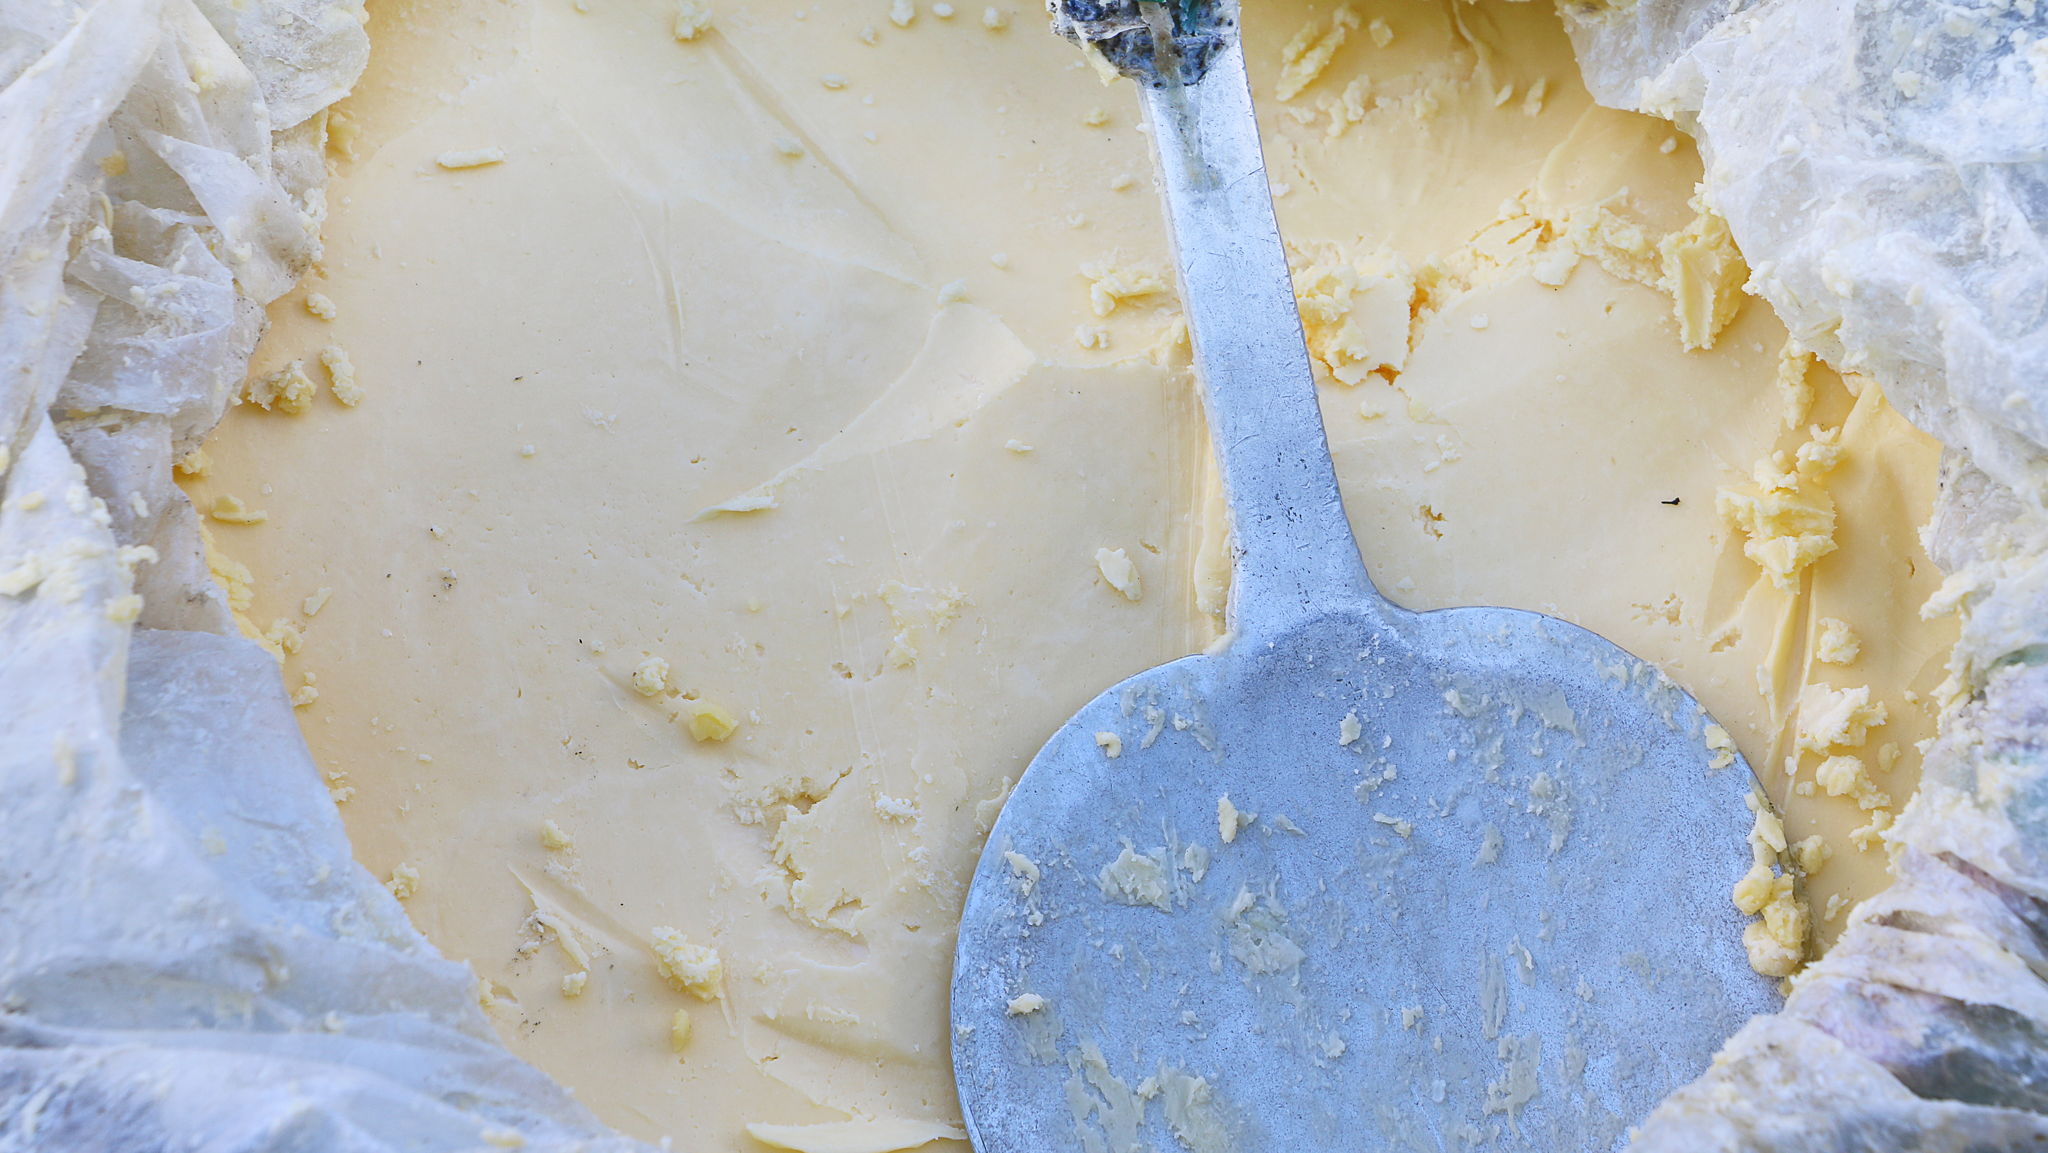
[1561, 896]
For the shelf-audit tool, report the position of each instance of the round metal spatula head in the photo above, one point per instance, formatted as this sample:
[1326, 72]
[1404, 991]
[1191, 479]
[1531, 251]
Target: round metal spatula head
[1474, 893]
[1365, 878]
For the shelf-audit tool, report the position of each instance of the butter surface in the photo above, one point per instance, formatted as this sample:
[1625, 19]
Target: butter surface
[693, 370]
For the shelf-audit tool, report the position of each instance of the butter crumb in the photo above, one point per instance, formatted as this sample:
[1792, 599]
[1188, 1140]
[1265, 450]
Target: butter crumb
[1381, 34]
[650, 679]
[1831, 718]
[573, 984]
[1776, 942]
[689, 968]
[288, 390]
[312, 605]
[22, 577]
[1787, 518]
[1120, 573]
[1869, 836]
[1844, 775]
[952, 292]
[1024, 869]
[285, 636]
[678, 1030]
[994, 19]
[1017, 446]
[788, 147]
[1229, 821]
[1721, 745]
[123, 610]
[404, 882]
[341, 375]
[1811, 854]
[693, 19]
[306, 693]
[707, 720]
[1138, 879]
[902, 13]
[1838, 644]
[1753, 891]
[1400, 827]
[1767, 832]
[230, 510]
[1024, 1003]
[553, 839]
[1355, 314]
[1112, 746]
[1109, 285]
[503, 1138]
[1348, 729]
[1306, 56]
[1097, 117]
[194, 463]
[1704, 274]
[321, 305]
[1795, 391]
[456, 159]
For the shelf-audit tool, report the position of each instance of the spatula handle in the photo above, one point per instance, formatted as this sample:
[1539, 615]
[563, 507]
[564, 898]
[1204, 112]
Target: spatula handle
[1293, 545]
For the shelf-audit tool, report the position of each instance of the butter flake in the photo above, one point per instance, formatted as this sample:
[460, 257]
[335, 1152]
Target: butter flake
[404, 882]
[229, 509]
[707, 720]
[1120, 573]
[457, 159]
[693, 19]
[1024, 1003]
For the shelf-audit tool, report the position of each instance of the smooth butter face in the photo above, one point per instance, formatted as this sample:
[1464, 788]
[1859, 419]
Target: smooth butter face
[694, 281]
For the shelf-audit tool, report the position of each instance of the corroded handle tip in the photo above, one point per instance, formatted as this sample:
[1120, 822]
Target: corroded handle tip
[1158, 43]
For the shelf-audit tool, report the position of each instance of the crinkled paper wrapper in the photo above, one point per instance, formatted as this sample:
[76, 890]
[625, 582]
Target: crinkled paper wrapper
[1884, 167]
[191, 959]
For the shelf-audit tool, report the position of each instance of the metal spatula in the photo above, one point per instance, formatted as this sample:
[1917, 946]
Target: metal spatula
[1367, 878]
